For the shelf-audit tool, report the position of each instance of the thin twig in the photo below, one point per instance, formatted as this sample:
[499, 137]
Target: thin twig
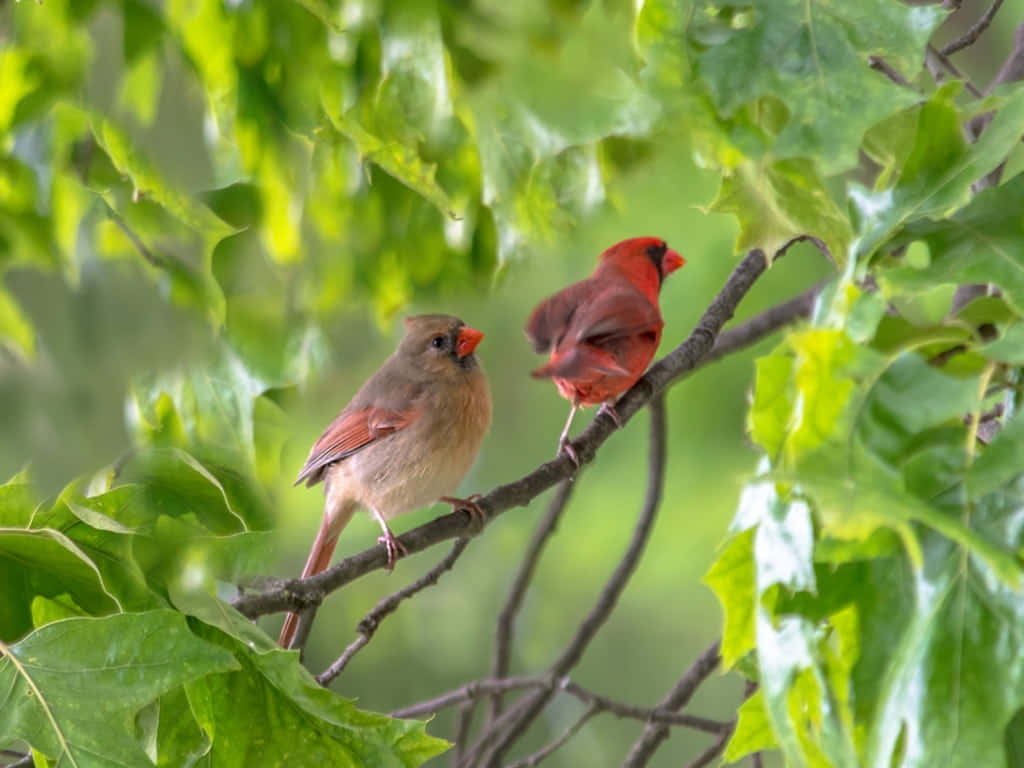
[656, 715]
[472, 691]
[468, 692]
[1012, 71]
[368, 626]
[677, 698]
[506, 619]
[463, 722]
[879, 64]
[952, 68]
[568, 733]
[708, 755]
[533, 703]
[969, 37]
[141, 247]
[297, 594]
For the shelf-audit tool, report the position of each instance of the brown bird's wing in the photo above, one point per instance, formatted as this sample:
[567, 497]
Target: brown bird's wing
[349, 433]
[550, 319]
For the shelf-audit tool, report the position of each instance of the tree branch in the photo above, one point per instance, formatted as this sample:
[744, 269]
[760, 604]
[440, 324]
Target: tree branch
[503, 634]
[472, 691]
[368, 626]
[298, 594]
[950, 67]
[677, 698]
[709, 754]
[543, 752]
[525, 712]
[879, 64]
[468, 692]
[969, 37]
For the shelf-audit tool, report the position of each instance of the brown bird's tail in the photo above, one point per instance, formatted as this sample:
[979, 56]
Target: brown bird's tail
[318, 560]
[577, 360]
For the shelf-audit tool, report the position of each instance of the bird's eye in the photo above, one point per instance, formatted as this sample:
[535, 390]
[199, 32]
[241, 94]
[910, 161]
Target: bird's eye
[437, 342]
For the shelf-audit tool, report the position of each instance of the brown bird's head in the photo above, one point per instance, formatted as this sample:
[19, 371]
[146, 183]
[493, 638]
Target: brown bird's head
[439, 344]
[645, 260]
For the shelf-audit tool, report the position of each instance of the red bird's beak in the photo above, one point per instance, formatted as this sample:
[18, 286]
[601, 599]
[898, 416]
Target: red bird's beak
[671, 261]
[467, 340]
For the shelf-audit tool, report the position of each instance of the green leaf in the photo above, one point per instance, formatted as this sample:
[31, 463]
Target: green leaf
[15, 330]
[73, 687]
[937, 176]
[999, 462]
[731, 578]
[753, 730]
[966, 631]
[813, 57]
[273, 693]
[776, 202]
[980, 243]
[1009, 348]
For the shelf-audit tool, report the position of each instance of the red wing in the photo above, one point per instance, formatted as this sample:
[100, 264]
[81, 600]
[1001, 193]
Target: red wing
[622, 312]
[351, 432]
[550, 319]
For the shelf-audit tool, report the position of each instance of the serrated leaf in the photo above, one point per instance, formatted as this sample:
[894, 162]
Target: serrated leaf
[813, 57]
[980, 243]
[775, 202]
[753, 730]
[273, 693]
[731, 578]
[937, 176]
[73, 687]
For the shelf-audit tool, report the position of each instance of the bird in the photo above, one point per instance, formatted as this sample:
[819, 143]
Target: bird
[406, 439]
[602, 332]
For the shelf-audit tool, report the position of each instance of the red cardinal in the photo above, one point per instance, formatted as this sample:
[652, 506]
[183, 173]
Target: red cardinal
[602, 332]
[406, 439]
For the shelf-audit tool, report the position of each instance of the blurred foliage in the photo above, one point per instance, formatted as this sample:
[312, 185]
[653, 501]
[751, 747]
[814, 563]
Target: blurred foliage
[200, 201]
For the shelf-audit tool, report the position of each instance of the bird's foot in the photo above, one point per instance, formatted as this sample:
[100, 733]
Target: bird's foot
[468, 504]
[609, 409]
[565, 446]
[396, 549]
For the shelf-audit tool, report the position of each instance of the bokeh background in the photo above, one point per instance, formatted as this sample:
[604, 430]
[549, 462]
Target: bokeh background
[327, 261]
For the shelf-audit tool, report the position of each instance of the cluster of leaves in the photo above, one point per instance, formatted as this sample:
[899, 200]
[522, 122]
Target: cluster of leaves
[871, 582]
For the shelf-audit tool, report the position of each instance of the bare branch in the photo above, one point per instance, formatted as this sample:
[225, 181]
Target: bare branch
[463, 723]
[368, 626]
[524, 714]
[950, 67]
[709, 754]
[1012, 71]
[543, 752]
[969, 37]
[503, 635]
[478, 688]
[677, 698]
[879, 64]
[298, 594]
[141, 247]
[470, 691]
[658, 714]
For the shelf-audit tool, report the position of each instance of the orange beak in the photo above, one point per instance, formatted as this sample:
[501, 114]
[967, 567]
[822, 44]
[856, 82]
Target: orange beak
[467, 340]
[671, 261]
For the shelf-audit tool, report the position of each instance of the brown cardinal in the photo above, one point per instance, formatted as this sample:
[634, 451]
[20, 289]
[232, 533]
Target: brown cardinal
[602, 332]
[406, 439]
